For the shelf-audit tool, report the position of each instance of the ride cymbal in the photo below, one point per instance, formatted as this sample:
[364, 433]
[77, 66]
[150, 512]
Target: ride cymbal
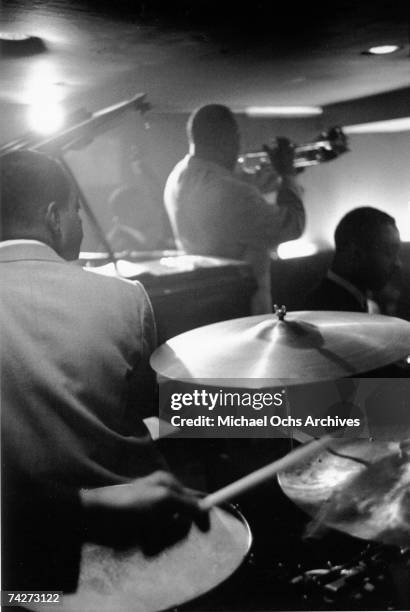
[304, 347]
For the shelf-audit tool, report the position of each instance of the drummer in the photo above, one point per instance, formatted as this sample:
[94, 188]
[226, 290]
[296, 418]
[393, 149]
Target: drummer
[79, 462]
[366, 260]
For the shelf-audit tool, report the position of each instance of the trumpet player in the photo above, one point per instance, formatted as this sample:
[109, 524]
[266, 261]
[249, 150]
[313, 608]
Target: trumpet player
[214, 212]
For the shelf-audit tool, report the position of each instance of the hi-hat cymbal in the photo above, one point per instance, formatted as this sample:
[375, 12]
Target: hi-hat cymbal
[362, 489]
[304, 347]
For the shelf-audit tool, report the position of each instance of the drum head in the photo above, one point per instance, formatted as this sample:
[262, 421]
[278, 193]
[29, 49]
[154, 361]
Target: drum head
[128, 580]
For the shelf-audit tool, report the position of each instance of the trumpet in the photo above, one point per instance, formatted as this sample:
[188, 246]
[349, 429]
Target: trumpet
[328, 146]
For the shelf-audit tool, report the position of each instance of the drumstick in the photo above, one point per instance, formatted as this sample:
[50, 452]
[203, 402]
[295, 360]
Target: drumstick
[255, 478]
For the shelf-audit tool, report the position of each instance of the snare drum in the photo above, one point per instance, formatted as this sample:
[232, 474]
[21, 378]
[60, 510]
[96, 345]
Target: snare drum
[122, 581]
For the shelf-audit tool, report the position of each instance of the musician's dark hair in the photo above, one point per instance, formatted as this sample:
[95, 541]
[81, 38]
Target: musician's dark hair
[209, 122]
[360, 226]
[29, 181]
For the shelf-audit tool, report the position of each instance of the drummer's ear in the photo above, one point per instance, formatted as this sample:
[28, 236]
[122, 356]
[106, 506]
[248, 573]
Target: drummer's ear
[52, 218]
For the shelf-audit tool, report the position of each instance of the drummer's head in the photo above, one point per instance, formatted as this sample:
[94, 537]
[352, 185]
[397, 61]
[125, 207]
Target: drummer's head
[367, 248]
[213, 134]
[39, 202]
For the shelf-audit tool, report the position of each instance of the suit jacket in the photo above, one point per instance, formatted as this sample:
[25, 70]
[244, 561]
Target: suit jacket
[329, 295]
[42, 533]
[74, 369]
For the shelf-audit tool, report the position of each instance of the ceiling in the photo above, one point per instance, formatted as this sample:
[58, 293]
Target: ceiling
[241, 54]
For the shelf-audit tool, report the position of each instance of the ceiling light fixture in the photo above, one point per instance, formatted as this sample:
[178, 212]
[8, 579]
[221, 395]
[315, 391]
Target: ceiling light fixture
[13, 36]
[15, 44]
[283, 111]
[382, 50]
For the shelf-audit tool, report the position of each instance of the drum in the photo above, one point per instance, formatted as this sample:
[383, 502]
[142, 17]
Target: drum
[128, 580]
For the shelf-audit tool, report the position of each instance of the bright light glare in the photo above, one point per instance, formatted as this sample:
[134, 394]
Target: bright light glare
[43, 95]
[374, 127]
[42, 84]
[45, 118]
[283, 111]
[403, 224]
[296, 248]
[383, 49]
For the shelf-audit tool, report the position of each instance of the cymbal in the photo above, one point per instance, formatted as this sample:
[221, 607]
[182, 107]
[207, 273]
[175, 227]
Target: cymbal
[362, 488]
[304, 347]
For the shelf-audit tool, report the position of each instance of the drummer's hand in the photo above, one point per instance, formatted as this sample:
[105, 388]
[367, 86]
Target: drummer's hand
[282, 157]
[156, 510]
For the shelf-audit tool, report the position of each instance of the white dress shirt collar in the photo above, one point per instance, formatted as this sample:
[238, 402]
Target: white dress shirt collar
[4, 243]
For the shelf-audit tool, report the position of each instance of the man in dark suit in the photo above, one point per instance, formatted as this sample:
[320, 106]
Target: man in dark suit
[367, 256]
[78, 463]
